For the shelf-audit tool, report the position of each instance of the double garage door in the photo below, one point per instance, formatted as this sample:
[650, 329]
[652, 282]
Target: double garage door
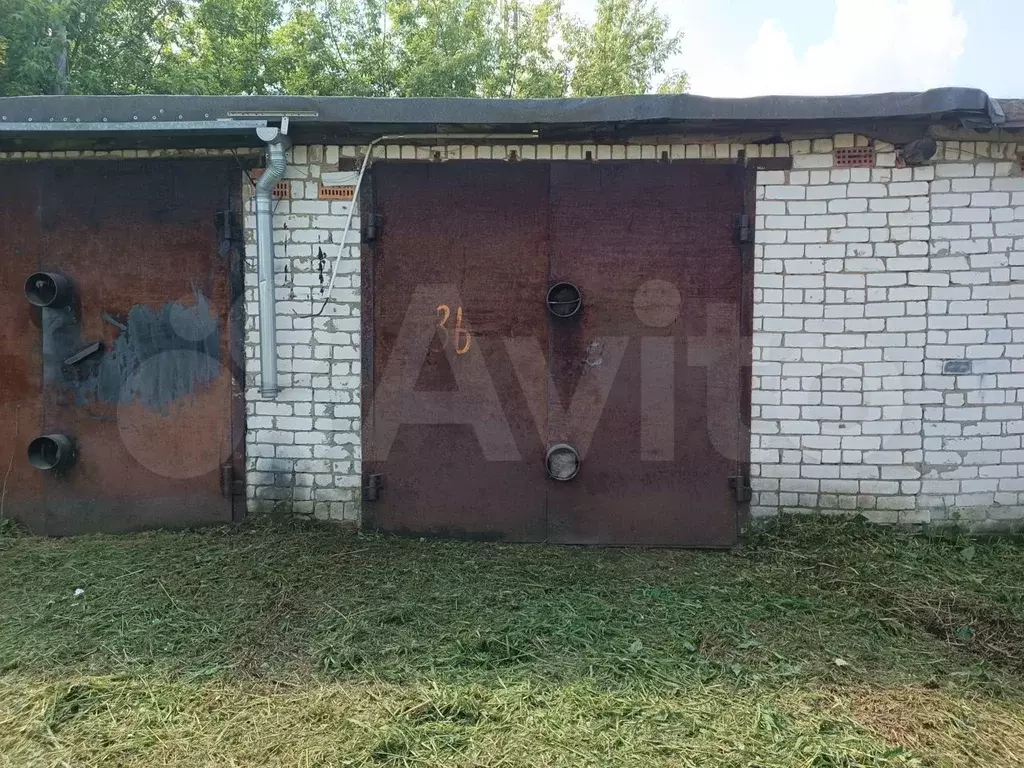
[559, 351]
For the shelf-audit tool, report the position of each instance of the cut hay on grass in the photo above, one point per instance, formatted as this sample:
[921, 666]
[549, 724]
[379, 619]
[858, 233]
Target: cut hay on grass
[818, 643]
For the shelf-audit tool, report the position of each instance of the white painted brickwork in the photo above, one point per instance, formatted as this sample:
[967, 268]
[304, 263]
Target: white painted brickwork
[303, 447]
[867, 282]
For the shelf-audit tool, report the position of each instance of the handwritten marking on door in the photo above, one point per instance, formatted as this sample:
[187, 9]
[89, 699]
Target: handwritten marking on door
[463, 338]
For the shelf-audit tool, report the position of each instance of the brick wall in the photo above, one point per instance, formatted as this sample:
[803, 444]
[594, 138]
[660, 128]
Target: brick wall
[303, 447]
[868, 281]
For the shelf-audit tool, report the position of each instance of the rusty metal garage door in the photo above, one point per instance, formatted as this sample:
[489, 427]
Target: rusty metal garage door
[653, 249]
[136, 366]
[473, 381]
[460, 256]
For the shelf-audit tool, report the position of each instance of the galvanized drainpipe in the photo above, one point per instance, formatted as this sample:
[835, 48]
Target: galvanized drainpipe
[277, 146]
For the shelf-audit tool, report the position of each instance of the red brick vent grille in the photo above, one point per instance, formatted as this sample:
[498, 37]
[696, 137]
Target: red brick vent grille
[337, 193]
[282, 190]
[855, 157]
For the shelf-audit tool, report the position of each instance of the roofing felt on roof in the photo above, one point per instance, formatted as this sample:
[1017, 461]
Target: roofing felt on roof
[64, 116]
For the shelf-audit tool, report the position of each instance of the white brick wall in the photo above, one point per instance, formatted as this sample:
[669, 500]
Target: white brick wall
[303, 448]
[867, 281]
[973, 424]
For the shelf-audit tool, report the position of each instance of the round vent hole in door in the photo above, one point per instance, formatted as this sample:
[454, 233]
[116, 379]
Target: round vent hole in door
[563, 462]
[564, 300]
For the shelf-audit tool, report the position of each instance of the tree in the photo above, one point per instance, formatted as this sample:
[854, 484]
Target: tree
[488, 48]
[29, 55]
[335, 46]
[524, 63]
[676, 81]
[622, 52]
[107, 46]
[123, 46]
[224, 46]
[444, 48]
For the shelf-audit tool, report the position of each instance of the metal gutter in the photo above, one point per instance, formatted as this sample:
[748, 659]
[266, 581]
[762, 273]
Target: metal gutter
[277, 163]
[157, 126]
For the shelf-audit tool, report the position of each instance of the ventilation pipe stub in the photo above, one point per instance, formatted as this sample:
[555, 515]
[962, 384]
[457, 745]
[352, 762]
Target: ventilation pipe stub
[51, 453]
[48, 289]
[919, 152]
[564, 300]
[563, 462]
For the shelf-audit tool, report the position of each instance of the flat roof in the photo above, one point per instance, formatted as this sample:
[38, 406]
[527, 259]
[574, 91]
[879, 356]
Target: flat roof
[148, 120]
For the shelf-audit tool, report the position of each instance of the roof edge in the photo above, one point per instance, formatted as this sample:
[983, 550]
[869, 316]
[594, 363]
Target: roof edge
[936, 103]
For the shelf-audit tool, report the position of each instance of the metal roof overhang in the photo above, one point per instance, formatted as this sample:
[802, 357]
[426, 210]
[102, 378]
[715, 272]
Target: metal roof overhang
[97, 122]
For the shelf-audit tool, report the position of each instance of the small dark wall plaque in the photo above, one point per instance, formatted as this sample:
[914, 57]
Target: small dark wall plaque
[957, 366]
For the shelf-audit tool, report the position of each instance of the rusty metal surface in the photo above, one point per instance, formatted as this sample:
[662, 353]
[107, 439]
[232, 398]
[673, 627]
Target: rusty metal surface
[646, 382]
[151, 413]
[652, 248]
[469, 237]
[20, 384]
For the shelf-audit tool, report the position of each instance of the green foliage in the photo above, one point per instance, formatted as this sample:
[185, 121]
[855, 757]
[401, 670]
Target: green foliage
[334, 47]
[675, 82]
[445, 47]
[622, 51]
[524, 63]
[228, 46]
[28, 64]
[485, 48]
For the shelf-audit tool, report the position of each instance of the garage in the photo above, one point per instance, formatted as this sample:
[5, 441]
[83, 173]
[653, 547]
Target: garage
[583, 315]
[118, 381]
[641, 320]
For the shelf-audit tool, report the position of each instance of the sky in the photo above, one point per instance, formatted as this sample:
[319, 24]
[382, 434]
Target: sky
[814, 47]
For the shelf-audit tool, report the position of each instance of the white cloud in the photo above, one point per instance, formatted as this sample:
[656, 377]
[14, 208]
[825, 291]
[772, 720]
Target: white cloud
[874, 45]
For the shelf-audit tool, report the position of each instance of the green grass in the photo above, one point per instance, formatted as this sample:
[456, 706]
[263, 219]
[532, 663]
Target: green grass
[818, 643]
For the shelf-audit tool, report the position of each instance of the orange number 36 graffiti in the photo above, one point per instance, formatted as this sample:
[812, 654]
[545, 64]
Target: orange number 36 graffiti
[462, 337]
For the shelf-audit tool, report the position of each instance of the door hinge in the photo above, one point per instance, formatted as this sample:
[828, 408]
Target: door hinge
[744, 233]
[229, 486]
[229, 232]
[372, 487]
[371, 227]
[740, 486]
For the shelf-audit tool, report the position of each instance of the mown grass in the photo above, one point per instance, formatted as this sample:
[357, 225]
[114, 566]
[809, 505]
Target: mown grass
[818, 643]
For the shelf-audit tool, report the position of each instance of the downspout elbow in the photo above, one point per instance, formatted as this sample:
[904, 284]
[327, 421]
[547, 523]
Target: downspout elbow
[277, 162]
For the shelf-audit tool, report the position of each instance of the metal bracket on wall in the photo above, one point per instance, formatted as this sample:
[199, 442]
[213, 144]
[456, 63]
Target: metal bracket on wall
[740, 486]
[84, 352]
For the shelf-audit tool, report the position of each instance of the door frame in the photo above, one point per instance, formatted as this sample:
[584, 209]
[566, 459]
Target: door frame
[747, 252]
[368, 214]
